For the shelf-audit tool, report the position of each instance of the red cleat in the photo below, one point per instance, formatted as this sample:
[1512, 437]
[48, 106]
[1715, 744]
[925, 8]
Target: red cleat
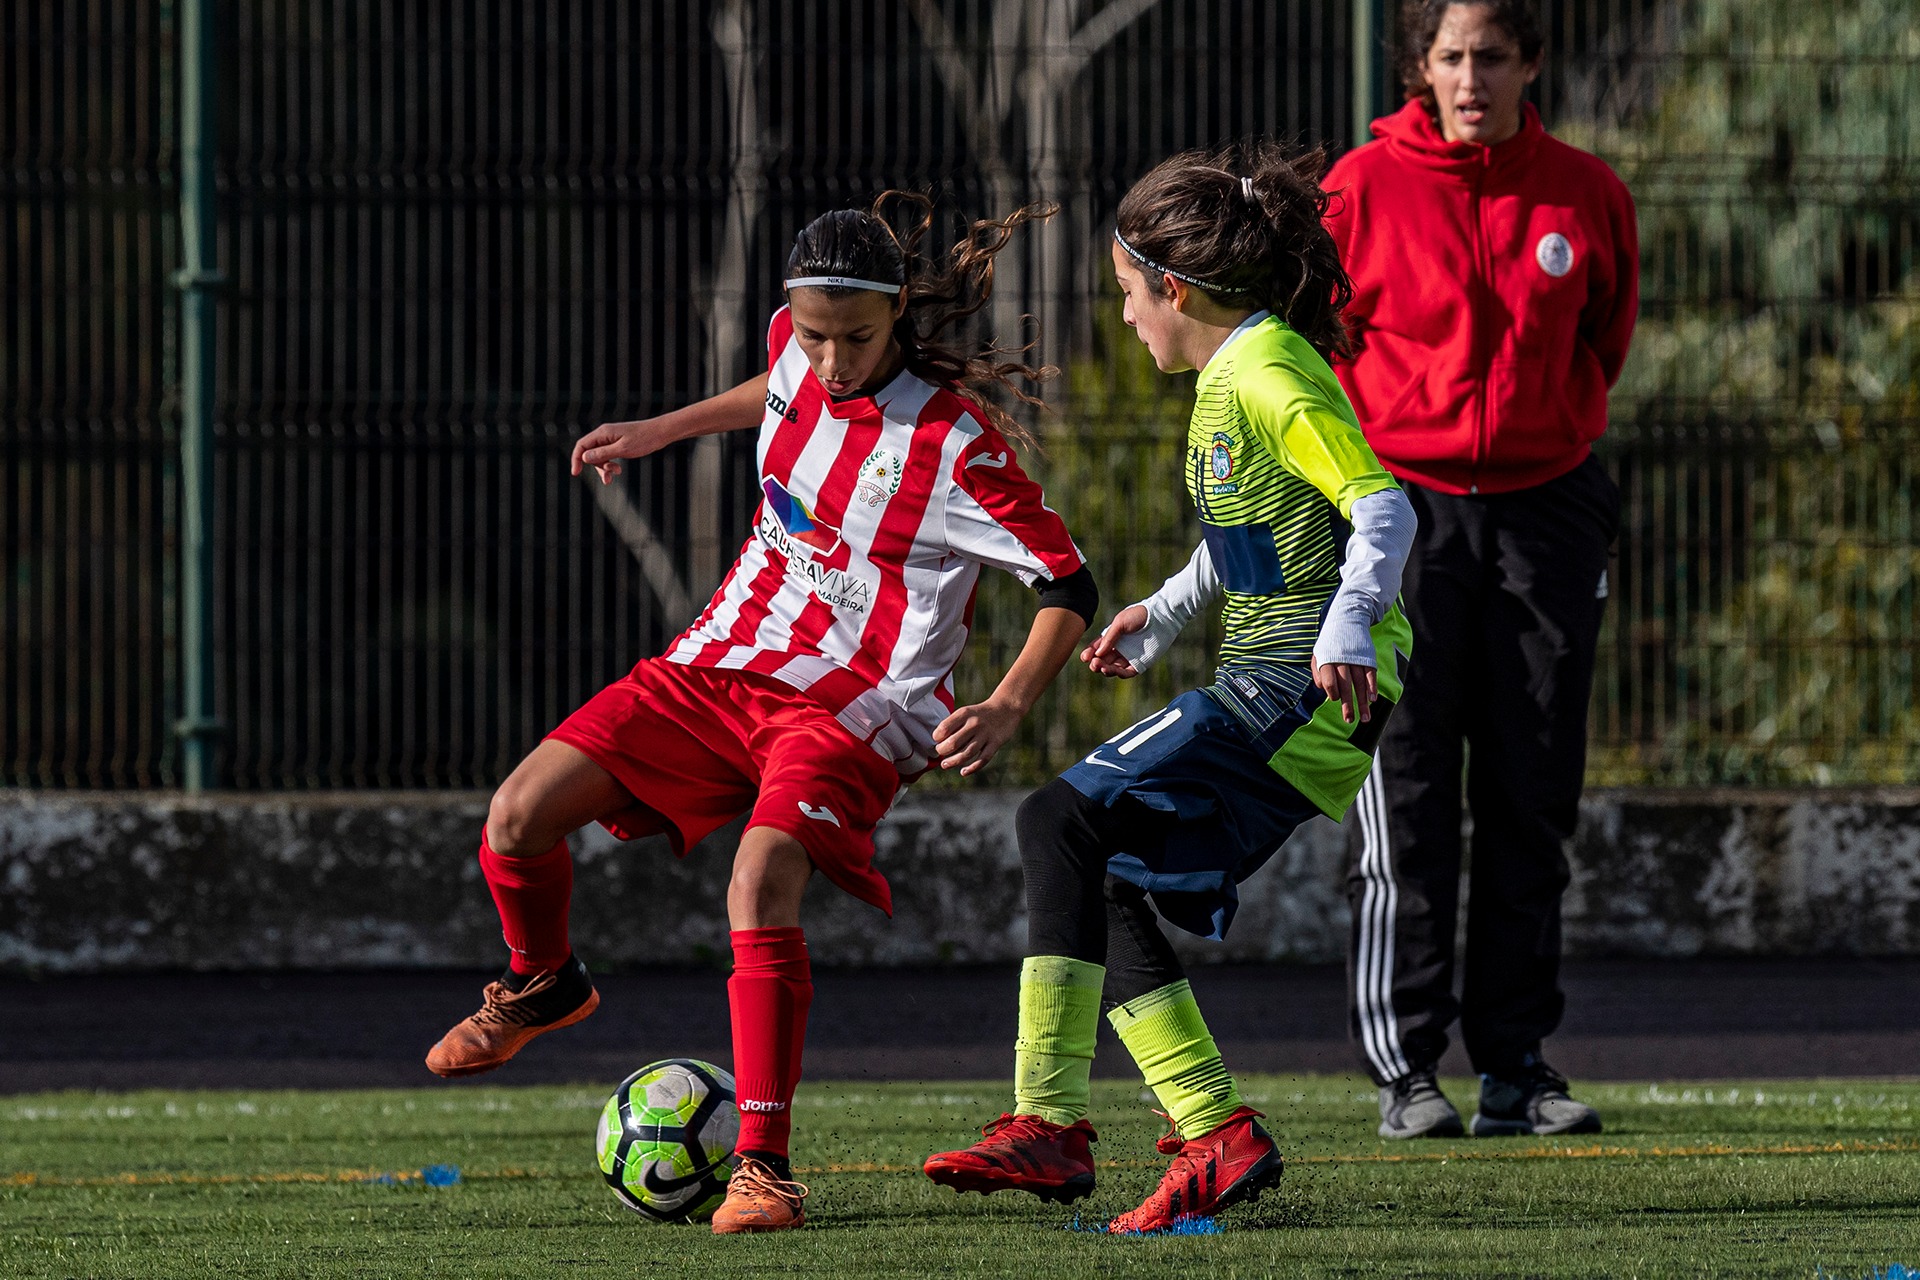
[1022, 1153]
[1234, 1163]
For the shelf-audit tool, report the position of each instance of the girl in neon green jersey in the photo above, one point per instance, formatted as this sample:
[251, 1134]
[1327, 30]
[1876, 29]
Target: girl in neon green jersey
[1226, 269]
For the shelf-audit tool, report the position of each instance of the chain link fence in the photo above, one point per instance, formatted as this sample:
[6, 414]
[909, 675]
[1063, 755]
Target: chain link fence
[459, 234]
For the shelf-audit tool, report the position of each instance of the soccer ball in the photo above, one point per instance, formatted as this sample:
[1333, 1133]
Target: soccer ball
[666, 1139]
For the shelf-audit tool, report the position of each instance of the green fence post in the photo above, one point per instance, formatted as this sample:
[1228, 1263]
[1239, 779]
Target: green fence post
[1372, 69]
[197, 280]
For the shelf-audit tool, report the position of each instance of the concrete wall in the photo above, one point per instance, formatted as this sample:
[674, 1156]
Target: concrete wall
[104, 881]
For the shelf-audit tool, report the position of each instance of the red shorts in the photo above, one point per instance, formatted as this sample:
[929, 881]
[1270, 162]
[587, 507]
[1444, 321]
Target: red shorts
[698, 746]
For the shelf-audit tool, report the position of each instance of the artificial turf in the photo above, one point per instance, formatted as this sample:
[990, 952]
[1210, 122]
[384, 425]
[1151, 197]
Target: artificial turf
[1788, 1179]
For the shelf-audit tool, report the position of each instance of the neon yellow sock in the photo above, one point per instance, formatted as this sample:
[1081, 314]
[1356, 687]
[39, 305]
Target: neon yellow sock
[1053, 1058]
[1170, 1043]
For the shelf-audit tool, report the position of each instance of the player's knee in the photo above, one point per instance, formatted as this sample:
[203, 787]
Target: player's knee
[1045, 823]
[769, 878]
[1041, 815]
[513, 823]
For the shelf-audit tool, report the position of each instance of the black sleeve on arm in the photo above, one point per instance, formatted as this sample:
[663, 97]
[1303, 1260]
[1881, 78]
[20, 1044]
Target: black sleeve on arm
[1077, 591]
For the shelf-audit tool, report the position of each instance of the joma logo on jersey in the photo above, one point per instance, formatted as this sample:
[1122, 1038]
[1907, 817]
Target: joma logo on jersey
[779, 404]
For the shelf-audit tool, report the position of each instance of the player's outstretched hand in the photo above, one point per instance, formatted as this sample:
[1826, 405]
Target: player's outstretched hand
[971, 736]
[1352, 685]
[1102, 656]
[604, 446]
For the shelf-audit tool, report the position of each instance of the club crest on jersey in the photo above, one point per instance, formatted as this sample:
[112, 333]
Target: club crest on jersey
[879, 476]
[813, 549]
[1222, 459]
[1554, 254]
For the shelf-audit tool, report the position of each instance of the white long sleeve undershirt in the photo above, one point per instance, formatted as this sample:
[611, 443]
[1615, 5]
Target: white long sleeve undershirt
[1383, 528]
[1170, 609]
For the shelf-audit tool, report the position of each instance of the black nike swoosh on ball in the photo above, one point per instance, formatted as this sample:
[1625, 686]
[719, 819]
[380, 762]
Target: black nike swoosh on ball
[660, 1186]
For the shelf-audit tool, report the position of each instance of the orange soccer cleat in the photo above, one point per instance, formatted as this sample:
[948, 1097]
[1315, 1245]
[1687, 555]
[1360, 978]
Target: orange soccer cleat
[508, 1019]
[1235, 1161]
[1022, 1153]
[759, 1199]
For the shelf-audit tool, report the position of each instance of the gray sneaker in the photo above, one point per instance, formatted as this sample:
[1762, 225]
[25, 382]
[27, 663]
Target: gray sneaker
[1530, 1099]
[1414, 1107]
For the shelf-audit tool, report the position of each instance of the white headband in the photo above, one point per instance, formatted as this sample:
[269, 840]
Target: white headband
[844, 282]
[1246, 189]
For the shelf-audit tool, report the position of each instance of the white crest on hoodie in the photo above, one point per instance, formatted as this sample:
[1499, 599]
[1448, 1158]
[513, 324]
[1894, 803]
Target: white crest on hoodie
[1554, 254]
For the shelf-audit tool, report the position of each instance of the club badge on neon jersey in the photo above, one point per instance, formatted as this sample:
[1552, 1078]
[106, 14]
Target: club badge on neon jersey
[1220, 461]
[812, 547]
[1222, 458]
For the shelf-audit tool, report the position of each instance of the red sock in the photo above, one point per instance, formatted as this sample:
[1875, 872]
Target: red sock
[769, 993]
[532, 895]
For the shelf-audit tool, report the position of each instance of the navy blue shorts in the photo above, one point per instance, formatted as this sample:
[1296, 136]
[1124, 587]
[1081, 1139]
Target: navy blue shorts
[1231, 812]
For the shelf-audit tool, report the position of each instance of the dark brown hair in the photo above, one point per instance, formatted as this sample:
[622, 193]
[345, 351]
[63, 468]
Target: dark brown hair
[1260, 243]
[943, 293]
[1420, 25]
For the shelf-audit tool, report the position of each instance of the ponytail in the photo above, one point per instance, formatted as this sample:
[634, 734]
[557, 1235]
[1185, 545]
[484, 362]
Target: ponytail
[941, 294]
[1245, 225]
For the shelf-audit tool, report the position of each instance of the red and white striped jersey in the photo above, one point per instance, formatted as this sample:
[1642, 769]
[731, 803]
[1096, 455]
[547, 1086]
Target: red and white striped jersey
[858, 580]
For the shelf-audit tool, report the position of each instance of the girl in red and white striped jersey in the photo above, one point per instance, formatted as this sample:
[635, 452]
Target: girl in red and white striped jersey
[819, 680]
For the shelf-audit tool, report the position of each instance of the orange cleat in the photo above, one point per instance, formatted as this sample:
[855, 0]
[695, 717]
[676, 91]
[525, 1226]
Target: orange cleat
[1022, 1153]
[1234, 1162]
[508, 1019]
[758, 1199]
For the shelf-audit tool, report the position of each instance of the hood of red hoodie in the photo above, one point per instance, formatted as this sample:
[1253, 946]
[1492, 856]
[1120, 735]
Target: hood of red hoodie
[1413, 136]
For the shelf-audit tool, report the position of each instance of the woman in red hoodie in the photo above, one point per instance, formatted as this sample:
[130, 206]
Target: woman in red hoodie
[1495, 274]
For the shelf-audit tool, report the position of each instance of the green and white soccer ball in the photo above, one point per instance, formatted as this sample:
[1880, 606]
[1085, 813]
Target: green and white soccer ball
[666, 1139]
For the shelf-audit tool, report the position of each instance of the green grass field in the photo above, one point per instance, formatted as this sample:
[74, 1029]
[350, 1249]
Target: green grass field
[1789, 1179]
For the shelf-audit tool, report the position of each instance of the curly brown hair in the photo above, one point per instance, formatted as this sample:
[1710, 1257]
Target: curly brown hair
[1246, 223]
[943, 293]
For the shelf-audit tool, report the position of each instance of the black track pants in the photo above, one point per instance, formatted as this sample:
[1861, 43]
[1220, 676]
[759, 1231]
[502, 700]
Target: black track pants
[1505, 594]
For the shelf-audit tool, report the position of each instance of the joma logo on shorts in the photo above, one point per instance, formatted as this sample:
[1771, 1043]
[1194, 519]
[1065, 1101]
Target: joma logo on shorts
[819, 813]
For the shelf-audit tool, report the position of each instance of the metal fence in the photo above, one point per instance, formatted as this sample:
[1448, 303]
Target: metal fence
[459, 234]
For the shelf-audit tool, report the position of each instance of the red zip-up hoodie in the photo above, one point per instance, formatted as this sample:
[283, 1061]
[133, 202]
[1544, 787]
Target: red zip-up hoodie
[1495, 290]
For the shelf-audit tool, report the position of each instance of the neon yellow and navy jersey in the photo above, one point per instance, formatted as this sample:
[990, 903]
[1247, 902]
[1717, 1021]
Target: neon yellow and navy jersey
[1275, 460]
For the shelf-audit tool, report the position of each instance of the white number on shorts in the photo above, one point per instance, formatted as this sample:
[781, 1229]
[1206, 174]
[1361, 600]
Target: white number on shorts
[1135, 734]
